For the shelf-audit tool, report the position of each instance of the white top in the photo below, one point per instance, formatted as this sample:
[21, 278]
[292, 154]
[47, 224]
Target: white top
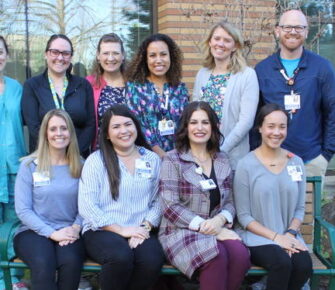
[137, 201]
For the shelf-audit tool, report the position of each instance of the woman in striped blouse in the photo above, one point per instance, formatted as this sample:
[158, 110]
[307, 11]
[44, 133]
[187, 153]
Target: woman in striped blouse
[118, 201]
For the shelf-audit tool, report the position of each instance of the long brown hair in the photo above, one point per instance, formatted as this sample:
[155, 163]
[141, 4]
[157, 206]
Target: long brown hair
[182, 140]
[109, 155]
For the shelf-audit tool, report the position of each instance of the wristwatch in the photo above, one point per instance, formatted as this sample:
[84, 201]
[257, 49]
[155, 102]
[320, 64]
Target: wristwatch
[292, 232]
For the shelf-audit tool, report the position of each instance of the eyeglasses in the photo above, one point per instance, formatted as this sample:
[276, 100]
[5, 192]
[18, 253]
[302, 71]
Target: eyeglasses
[289, 28]
[55, 53]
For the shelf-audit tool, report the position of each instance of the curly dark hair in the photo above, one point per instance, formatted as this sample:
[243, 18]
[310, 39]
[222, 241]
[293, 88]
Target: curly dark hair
[97, 68]
[182, 140]
[138, 68]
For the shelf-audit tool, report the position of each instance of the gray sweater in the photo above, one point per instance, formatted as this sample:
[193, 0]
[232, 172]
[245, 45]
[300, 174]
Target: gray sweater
[271, 199]
[239, 109]
[46, 208]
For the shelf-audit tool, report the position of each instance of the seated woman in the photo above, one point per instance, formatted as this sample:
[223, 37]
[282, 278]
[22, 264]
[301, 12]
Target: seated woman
[118, 201]
[46, 193]
[269, 191]
[198, 209]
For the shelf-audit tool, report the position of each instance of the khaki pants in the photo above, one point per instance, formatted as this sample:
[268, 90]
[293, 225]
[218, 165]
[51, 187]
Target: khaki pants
[317, 167]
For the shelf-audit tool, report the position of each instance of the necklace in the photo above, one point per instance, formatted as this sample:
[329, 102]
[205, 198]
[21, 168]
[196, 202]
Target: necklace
[201, 161]
[272, 163]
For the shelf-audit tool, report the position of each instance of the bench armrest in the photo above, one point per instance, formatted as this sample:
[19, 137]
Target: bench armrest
[319, 225]
[6, 231]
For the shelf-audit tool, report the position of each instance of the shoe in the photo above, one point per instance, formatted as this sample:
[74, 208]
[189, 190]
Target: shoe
[84, 284]
[20, 286]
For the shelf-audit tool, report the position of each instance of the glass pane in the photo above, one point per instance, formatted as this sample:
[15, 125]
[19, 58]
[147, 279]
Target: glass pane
[83, 21]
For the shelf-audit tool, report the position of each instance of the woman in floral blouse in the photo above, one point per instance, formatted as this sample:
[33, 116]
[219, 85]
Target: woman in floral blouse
[230, 87]
[154, 90]
[107, 79]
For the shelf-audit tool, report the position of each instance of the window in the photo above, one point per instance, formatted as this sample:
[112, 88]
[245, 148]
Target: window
[29, 24]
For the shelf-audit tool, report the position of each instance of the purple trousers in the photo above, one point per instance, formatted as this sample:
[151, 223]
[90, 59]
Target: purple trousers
[227, 270]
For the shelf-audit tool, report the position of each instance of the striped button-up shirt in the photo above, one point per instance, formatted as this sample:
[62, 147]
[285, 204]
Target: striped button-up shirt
[137, 199]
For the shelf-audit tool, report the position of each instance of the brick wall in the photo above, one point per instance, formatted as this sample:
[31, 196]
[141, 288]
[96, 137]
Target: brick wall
[188, 23]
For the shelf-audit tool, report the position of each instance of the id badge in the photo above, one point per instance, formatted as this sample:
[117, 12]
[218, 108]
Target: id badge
[207, 184]
[166, 127]
[143, 168]
[40, 179]
[295, 171]
[292, 101]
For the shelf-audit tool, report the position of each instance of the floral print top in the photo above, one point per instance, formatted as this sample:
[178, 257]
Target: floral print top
[108, 97]
[214, 92]
[150, 108]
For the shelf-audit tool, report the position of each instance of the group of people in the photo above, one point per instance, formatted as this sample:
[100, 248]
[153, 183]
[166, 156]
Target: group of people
[163, 177]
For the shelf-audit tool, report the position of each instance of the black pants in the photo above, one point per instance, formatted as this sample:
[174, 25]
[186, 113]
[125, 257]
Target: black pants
[44, 257]
[285, 272]
[122, 267]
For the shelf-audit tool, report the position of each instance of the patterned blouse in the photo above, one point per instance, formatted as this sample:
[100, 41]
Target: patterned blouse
[150, 108]
[108, 97]
[214, 92]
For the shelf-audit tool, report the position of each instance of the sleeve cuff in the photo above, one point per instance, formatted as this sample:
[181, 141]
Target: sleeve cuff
[195, 223]
[227, 215]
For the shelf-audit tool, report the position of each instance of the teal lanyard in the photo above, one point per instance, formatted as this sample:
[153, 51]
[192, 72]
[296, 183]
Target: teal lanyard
[55, 95]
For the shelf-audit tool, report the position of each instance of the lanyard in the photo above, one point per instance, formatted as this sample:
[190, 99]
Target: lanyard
[166, 93]
[289, 81]
[55, 95]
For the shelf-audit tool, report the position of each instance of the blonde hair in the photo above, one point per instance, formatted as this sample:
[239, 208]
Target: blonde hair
[237, 60]
[42, 154]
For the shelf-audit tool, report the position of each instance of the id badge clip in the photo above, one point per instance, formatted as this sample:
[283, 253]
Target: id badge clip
[143, 168]
[166, 127]
[295, 171]
[292, 101]
[207, 184]
[40, 179]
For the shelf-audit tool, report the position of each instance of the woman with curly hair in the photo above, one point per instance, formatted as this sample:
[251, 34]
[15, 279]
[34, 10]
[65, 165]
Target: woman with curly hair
[155, 92]
[230, 87]
[107, 79]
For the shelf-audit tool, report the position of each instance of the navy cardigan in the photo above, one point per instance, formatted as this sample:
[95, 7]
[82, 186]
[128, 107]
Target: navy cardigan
[37, 100]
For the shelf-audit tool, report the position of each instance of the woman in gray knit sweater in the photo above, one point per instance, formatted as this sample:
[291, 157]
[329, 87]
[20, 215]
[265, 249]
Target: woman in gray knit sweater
[269, 192]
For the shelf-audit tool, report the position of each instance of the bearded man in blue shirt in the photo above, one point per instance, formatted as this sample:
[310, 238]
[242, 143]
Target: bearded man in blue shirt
[304, 84]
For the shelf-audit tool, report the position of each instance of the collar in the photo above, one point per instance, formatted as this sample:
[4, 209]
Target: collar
[187, 156]
[302, 63]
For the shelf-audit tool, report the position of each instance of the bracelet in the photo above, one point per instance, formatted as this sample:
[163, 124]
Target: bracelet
[292, 232]
[274, 237]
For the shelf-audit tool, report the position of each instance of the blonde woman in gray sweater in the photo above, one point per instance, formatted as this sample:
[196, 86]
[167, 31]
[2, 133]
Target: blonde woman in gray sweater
[230, 87]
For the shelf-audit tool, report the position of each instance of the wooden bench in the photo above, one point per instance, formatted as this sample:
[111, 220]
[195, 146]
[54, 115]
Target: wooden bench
[323, 264]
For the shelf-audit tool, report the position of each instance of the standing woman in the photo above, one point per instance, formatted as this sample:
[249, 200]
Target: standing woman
[269, 191]
[107, 79]
[119, 203]
[155, 92]
[12, 143]
[230, 87]
[46, 202]
[198, 209]
[58, 88]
